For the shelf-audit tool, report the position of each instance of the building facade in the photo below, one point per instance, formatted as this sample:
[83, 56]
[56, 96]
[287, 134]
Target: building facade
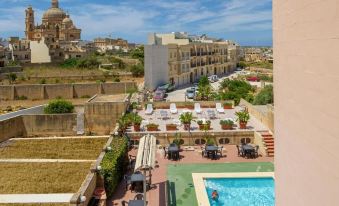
[56, 25]
[306, 112]
[105, 44]
[186, 61]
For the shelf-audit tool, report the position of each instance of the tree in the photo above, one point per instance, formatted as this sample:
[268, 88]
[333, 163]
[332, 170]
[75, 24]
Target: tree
[265, 96]
[59, 106]
[138, 53]
[12, 77]
[235, 90]
[137, 70]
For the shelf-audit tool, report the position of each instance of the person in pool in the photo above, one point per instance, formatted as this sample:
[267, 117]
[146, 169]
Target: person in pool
[215, 195]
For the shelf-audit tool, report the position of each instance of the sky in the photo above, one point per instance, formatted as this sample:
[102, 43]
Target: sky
[248, 22]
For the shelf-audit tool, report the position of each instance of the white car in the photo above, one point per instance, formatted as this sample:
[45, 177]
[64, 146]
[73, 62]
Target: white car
[213, 78]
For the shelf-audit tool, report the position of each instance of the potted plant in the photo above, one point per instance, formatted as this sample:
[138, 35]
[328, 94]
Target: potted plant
[136, 120]
[226, 124]
[171, 127]
[189, 105]
[152, 127]
[204, 124]
[123, 123]
[186, 119]
[243, 117]
[178, 141]
[209, 141]
[228, 105]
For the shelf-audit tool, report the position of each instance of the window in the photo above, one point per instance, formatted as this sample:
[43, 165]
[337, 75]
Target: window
[171, 55]
[245, 140]
[200, 141]
[224, 141]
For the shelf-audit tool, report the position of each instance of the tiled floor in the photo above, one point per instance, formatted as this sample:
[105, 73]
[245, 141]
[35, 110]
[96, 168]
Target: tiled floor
[167, 172]
[156, 118]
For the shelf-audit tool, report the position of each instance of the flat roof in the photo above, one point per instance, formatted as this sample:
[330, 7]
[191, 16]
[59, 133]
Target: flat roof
[109, 98]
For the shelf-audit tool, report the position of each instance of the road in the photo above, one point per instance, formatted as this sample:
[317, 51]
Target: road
[179, 94]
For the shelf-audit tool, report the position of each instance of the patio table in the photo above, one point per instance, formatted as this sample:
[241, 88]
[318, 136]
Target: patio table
[173, 150]
[136, 203]
[248, 149]
[137, 178]
[212, 149]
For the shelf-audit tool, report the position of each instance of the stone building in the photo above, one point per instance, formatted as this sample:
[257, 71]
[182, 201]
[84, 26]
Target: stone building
[56, 25]
[105, 44]
[178, 59]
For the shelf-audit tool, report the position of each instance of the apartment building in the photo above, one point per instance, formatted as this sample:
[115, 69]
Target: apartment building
[178, 59]
[105, 44]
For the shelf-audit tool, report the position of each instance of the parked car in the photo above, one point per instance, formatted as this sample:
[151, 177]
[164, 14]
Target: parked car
[253, 79]
[190, 93]
[213, 78]
[159, 95]
[166, 87]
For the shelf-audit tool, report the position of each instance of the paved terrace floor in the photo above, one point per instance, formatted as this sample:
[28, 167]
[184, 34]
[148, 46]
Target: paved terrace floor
[253, 124]
[178, 175]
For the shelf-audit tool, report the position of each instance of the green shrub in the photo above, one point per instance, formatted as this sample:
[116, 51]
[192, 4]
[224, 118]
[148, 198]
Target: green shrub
[114, 164]
[137, 70]
[22, 97]
[265, 96]
[59, 106]
[42, 81]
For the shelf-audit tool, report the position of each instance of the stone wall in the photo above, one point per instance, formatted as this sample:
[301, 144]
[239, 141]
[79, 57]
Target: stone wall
[101, 117]
[50, 125]
[266, 118]
[234, 137]
[11, 128]
[38, 125]
[68, 91]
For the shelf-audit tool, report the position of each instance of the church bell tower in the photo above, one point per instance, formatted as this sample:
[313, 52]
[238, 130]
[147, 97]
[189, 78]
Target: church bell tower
[29, 21]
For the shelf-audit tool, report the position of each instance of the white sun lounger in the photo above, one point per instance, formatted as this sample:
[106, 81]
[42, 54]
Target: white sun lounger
[219, 108]
[197, 108]
[149, 109]
[173, 108]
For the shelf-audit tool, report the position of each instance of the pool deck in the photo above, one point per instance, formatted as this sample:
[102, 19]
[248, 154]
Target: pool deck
[172, 180]
[200, 188]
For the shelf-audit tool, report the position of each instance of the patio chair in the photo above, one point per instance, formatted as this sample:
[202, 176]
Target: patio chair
[165, 152]
[127, 181]
[211, 114]
[173, 108]
[139, 196]
[219, 108]
[256, 151]
[149, 109]
[219, 152]
[124, 203]
[240, 151]
[197, 108]
[163, 114]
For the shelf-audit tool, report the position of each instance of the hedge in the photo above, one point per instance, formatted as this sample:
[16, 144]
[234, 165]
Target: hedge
[59, 106]
[114, 164]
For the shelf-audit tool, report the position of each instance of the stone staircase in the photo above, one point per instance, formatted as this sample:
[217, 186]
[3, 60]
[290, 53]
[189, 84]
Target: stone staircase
[269, 143]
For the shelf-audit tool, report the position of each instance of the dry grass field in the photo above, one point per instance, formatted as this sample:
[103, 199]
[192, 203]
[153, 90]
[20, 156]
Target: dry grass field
[42, 178]
[64, 148]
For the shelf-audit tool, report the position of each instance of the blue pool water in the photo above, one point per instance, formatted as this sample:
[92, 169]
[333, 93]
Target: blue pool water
[241, 191]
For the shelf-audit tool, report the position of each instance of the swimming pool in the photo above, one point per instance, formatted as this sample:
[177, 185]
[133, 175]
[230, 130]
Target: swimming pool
[241, 191]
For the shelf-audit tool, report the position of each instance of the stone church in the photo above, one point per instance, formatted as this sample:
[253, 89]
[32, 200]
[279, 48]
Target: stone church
[56, 25]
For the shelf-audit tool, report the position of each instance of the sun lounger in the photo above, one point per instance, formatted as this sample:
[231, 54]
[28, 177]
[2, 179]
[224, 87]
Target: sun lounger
[149, 109]
[197, 108]
[219, 108]
[173, 108]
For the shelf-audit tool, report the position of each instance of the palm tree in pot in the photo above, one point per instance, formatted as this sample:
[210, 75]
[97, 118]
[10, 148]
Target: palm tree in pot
[243, 117]
[136, 120]
[186, 119]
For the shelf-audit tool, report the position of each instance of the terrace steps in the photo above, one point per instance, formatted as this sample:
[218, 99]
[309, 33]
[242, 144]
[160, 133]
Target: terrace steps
[269, 143]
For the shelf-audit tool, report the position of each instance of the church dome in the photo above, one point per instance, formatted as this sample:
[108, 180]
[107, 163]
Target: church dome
[53, 13]
[67, 21]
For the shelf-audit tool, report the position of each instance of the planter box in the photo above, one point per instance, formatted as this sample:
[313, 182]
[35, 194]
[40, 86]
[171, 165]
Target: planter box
[181, 107]
[228, 107]
[171, 127]
[152, 129]
[163, 107]
[226, 127]
[136, 127]
[201, 127]
[189, 106]
[243, 125]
